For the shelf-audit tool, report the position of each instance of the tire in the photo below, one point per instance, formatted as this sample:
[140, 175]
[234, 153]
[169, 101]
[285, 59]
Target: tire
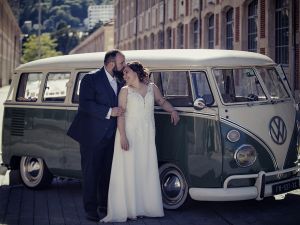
[174, 187]
[34, 173]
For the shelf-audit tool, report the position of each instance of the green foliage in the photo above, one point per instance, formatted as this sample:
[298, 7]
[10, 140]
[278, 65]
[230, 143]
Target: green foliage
[31, 48]
[72, 12]
[67, 38]
[60, 18]
[96, 26]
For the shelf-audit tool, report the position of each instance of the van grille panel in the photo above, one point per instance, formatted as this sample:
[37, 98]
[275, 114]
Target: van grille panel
[17, 122]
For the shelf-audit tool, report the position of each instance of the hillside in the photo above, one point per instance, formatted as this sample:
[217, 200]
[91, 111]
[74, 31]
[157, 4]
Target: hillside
[55, 12]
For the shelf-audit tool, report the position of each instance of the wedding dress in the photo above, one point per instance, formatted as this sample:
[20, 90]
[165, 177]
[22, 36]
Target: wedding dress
[134, 188]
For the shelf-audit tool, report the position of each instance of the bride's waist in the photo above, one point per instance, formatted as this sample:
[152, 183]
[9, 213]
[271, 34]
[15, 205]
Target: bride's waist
[140, 118]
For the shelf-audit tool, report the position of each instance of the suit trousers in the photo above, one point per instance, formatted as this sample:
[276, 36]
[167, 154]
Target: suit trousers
[96, 167]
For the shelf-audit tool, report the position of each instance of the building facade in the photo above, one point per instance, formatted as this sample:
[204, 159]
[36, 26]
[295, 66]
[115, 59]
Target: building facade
[270, 27]
[9, 43]
[98, 13]
[99, 41]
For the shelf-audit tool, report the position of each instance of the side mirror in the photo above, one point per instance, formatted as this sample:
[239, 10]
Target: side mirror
[199, 104]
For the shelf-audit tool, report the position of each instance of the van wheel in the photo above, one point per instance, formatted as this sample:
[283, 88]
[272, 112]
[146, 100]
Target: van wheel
[173, 186]
[34, 173]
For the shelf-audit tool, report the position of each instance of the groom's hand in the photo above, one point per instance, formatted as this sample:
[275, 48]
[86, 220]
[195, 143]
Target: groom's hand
[117, 111]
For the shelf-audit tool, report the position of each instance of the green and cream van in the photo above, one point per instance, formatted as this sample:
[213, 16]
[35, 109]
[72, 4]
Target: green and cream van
[236, 140]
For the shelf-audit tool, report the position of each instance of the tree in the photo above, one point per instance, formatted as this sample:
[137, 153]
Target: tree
[67, 38]
[31, 48]
[96, 27]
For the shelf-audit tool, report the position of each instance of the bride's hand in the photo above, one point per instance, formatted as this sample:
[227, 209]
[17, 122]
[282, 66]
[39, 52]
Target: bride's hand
[124, 143]
[174, 117]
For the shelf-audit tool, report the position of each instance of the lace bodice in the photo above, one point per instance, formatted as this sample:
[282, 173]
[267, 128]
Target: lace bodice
[140, 107]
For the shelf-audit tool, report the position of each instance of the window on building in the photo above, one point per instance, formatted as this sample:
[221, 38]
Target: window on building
[180, 34]
[229, 29]
[195, 34]
[152, 41]
[139, 43]
[169, 38]
[211, 26]
[282, 32]
[252, 26]
[160, 40]
[145, 42]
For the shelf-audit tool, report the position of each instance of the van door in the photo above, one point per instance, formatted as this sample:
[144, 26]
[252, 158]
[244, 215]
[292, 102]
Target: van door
[193, 144]
[72, 151]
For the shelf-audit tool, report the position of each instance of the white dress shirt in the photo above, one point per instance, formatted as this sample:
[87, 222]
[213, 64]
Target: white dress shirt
[113, 84]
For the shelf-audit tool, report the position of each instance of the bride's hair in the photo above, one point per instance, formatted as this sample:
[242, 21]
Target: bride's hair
[140, 70]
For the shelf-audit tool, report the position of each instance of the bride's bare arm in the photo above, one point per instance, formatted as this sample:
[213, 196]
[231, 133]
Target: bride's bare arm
[165, 105]
[121, 119]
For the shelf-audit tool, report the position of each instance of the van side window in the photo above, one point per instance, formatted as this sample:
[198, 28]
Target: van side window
[202, 88]
[239, 85]
[156, 79]
[29, 86]
[75, 98]
[174, 86]
[56, 87]
[273, 83]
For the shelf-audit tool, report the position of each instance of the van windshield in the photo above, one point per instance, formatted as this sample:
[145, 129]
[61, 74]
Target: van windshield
[239, 85]
[273, 83]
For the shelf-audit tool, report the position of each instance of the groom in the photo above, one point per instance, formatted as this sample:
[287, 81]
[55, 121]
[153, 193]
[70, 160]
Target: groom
[94, 127]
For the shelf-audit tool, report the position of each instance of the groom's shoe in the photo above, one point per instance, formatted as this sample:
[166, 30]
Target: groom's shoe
[92, 216]
[101, 212]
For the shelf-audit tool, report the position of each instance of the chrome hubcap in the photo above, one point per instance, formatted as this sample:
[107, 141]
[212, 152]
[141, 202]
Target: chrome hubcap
[172, 187]
[32, 168]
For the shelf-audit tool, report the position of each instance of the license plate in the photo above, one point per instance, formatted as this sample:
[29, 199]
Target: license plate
[285, 187]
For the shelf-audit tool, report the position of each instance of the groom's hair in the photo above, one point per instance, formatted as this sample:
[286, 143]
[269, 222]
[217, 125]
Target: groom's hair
[111, 55]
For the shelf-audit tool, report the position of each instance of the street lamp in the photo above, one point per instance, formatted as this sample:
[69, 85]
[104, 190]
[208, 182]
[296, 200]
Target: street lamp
[39, 29]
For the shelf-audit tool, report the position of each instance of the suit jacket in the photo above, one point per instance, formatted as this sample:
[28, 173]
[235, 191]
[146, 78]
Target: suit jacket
[96, 96]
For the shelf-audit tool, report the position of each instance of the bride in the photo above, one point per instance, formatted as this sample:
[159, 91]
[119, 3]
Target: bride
[134, 188]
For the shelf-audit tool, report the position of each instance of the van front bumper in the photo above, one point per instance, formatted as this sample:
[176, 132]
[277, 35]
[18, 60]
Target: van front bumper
[258, 191]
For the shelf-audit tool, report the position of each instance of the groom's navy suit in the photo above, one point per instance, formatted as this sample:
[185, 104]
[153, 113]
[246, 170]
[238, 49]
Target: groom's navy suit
[95, 134]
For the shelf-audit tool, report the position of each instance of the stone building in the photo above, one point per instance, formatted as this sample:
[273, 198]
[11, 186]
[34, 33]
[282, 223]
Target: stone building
[9, 43]
[99, 41]
[269, 27]
[98, 13]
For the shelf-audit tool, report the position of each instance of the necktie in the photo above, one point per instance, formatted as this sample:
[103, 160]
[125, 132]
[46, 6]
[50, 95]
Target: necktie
[113, 84]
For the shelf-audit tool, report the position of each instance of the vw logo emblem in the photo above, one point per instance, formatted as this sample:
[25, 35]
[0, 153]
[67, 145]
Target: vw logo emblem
[278, 130]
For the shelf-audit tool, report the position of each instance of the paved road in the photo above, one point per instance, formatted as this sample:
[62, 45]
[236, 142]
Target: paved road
[61, 204]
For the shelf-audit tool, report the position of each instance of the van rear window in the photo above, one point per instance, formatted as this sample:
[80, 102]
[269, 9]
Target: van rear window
[75, 98]
[29, 87]
[56, 87]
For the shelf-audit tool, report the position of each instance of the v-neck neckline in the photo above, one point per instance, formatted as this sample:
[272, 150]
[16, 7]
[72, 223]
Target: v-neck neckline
[143, 97]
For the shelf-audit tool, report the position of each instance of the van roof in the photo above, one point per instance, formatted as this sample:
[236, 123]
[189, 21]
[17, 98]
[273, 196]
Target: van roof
[160, 58]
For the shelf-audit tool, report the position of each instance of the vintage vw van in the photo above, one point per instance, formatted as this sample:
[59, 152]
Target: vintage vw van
[236, 140]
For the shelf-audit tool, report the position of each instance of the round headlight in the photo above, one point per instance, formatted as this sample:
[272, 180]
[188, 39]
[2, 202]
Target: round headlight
[233, 135]
[245, 155]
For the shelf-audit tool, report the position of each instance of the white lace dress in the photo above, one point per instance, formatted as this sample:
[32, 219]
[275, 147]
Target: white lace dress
[134, 188]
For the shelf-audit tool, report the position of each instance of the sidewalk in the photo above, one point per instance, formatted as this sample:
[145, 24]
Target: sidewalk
[3, 95]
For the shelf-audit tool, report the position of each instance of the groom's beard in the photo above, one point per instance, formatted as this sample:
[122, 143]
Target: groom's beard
[118, 75]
